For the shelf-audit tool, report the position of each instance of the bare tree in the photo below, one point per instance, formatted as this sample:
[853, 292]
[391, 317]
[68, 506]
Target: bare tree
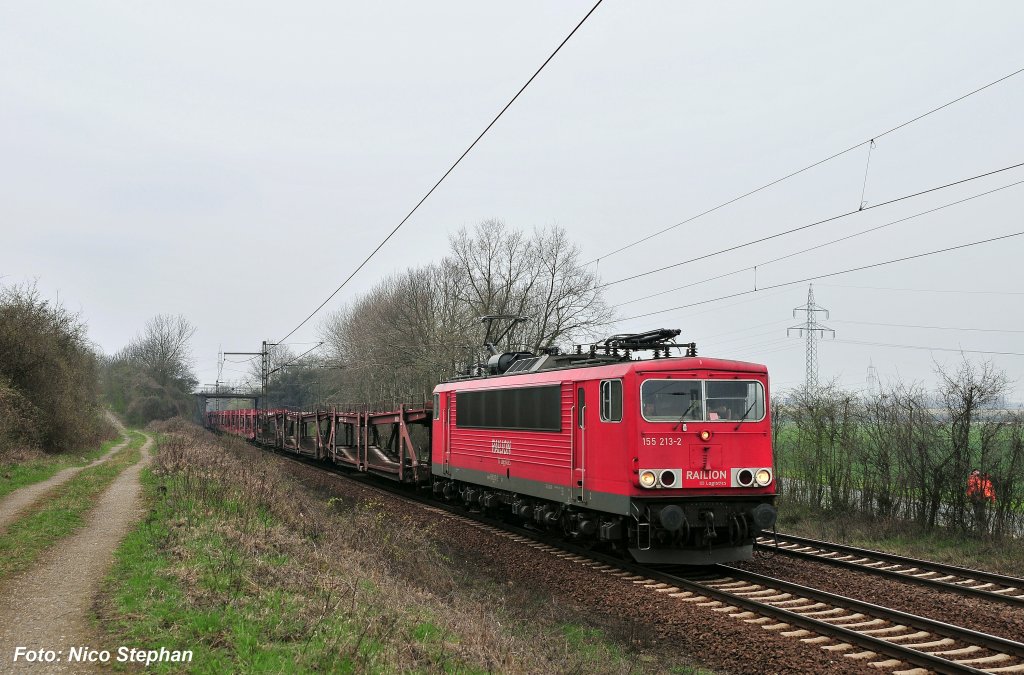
[966, 393]
[162, 349]
[1009, 511]
[566, 300]
[417, 327]
[152, 378]
[399, 339]
[502, 271]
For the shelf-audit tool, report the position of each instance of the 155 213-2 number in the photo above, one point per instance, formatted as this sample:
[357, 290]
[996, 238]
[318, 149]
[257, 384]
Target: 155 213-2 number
[662, 441]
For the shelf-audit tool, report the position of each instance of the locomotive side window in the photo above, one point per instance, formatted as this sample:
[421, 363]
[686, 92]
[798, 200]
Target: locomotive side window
[581, 403]
[672, 400]
[437, 406]
[735, 400]
[525, 409]
[611, 400]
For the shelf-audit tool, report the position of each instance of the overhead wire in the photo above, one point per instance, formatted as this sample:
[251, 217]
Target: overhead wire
[706, 212]
[739, 338]
[741, 330]
[877, 136]
[810, 225]
[923, 290]
[719, 308]
[931, 349]
[908, 325]
[823, 276]
[818, 246]
[806, 168]
[774, 350]
[446, 173]
[296, 358]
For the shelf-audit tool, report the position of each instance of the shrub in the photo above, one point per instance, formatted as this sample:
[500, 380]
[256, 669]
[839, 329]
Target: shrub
[48, 374]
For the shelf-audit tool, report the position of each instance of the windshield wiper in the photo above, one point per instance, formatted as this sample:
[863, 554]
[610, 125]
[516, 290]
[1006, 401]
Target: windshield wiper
[736, 428]
[682, 418]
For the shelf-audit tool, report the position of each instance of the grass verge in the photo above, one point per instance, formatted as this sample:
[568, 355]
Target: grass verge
[1004, 555]
[63, 512]
[14, 475]
[256, 572]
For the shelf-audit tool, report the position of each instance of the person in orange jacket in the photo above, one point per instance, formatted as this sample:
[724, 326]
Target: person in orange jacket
[980, 493]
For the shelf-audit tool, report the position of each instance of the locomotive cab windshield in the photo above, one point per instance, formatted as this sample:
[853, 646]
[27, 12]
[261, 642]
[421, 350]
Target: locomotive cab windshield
[701, 400]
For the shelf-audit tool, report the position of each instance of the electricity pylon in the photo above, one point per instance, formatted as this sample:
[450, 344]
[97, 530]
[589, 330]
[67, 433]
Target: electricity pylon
[811, 330]
[873, 384]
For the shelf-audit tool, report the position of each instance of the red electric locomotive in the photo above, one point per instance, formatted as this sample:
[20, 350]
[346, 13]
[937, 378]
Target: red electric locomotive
[669, 458]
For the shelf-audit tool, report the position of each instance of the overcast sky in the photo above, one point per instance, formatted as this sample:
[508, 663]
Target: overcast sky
[233, 162]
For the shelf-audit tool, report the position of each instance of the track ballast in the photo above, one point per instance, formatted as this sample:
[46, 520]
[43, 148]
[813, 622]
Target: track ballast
[961, 580]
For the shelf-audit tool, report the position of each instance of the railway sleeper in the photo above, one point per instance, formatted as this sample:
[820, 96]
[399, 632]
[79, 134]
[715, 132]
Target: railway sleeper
[886, 633]
[962, 651]
[986, 660]
[835, 620]
[941, 642]
[908, 637]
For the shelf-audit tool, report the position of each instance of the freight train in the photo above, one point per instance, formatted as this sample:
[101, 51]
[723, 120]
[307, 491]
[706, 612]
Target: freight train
[665, 459]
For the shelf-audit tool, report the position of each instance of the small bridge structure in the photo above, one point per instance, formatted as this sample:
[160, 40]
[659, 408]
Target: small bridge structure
[216, 392]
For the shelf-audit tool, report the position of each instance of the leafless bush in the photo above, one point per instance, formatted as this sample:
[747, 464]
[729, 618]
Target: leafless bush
[903, 449]
[903, 453]
[821, 442]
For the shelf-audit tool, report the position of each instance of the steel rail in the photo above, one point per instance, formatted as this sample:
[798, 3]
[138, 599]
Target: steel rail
[880, 646]
[1011, 591]
[986, 640]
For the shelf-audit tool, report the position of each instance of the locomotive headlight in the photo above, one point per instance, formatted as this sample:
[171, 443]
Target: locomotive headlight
[763, 477]
[648, 479]
[705, 435]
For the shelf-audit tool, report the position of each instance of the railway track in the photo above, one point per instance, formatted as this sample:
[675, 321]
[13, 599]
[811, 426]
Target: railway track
[881, 637]
[884, 638]
[961, 580]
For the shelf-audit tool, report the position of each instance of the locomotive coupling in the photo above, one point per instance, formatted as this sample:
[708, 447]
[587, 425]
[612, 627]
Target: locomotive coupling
[708, 518]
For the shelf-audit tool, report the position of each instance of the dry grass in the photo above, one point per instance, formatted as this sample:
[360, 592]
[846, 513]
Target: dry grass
[24, 466]
[259, 572]
[19, 454]
[1004, 555]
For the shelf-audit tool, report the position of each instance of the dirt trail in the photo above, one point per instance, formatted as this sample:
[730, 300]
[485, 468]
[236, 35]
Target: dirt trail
[48, 607]
[13, 504]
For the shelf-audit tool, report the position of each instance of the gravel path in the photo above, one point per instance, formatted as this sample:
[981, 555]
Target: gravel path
[13, 504]
[48, 607]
